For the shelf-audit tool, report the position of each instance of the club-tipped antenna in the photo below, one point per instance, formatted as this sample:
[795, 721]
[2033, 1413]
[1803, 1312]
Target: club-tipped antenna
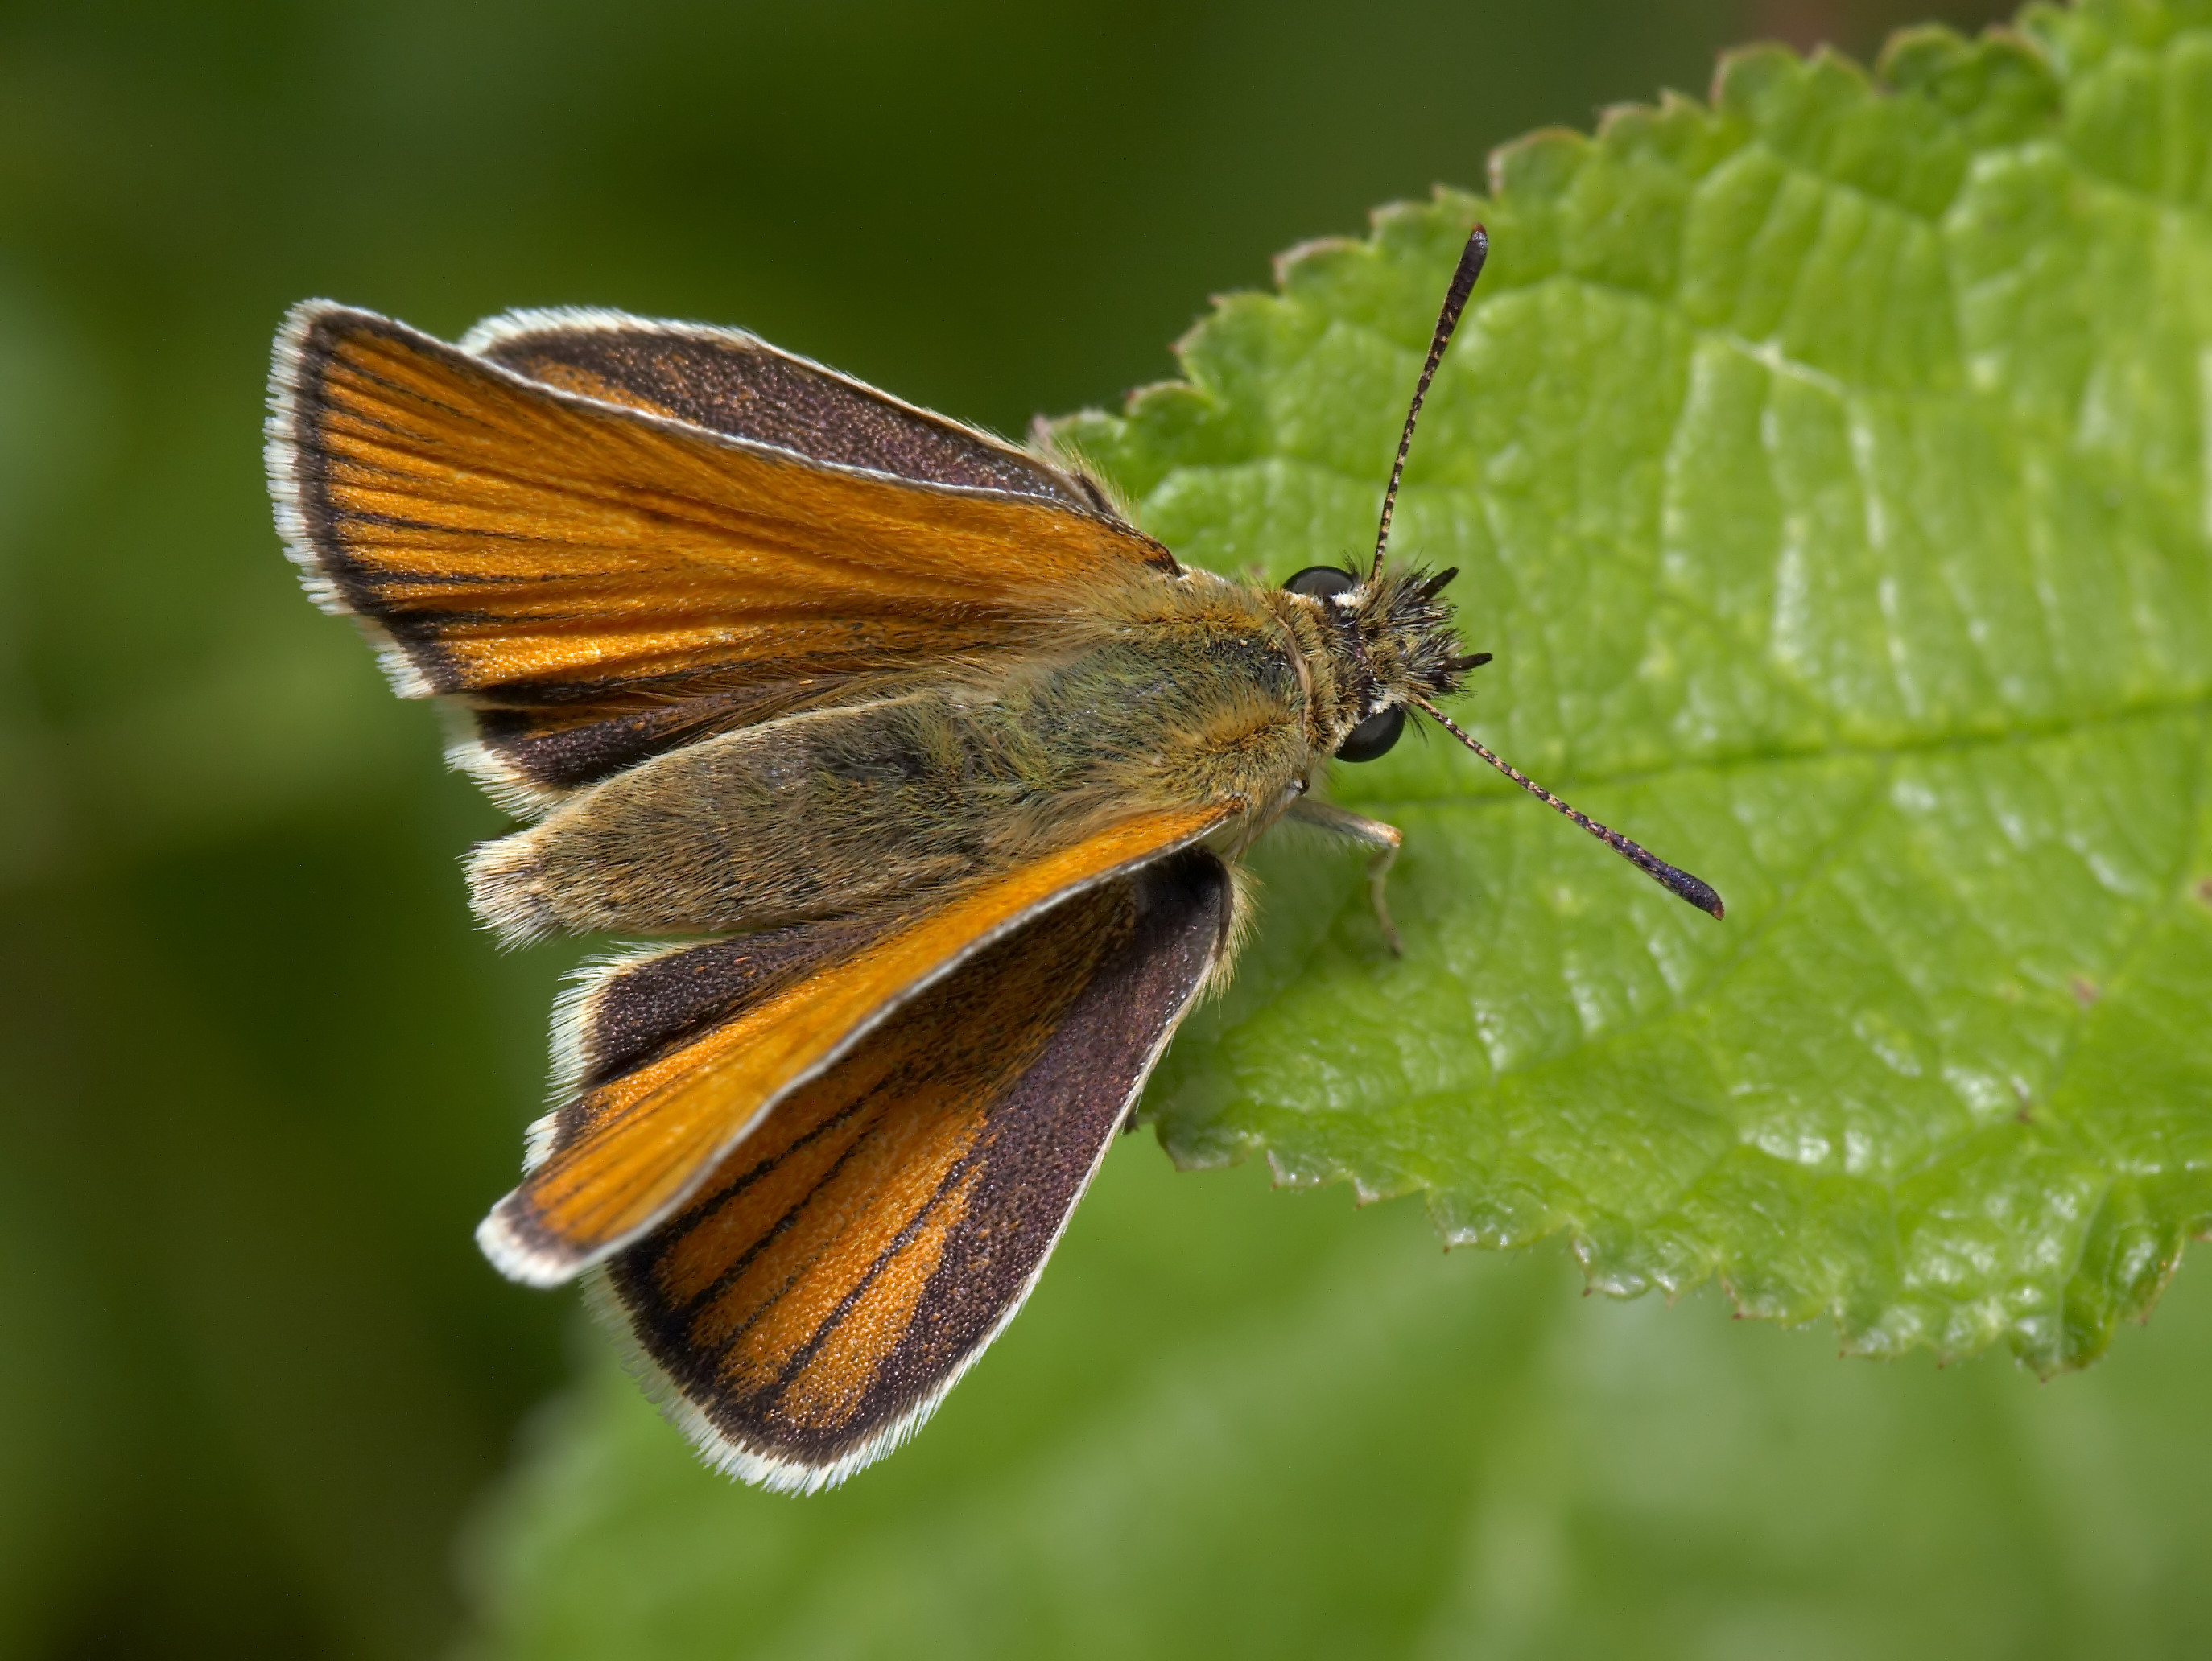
[1672, 878]
[1462, 285]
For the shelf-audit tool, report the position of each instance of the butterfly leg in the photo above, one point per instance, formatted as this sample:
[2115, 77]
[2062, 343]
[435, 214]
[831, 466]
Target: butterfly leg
[1369, 833]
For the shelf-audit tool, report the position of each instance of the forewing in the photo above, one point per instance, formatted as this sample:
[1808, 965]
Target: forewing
[744, 1024]
[733, 382]
[599, 582]
[850, 1258]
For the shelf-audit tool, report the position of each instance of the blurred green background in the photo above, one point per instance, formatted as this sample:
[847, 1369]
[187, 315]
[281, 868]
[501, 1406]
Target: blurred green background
[261, 1076]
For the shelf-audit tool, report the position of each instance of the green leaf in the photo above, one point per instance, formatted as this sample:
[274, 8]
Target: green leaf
[1831, 471]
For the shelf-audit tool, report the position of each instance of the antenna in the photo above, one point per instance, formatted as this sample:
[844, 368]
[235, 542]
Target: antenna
[1462, 285]
[1672, 878]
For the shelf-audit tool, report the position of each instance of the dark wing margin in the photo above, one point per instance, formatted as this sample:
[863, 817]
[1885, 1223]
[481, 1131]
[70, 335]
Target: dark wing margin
[849, 1260]
[732, 381]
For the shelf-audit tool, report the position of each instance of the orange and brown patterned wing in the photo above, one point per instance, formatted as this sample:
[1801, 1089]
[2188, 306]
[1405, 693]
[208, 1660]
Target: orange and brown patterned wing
[599, 580]
[848, 1260]
[682, 1057]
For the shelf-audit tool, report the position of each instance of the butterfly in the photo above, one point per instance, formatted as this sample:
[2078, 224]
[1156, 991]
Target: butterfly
[935, 767]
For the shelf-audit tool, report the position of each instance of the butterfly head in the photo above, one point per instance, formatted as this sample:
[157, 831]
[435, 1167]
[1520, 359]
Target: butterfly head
[1391, 642]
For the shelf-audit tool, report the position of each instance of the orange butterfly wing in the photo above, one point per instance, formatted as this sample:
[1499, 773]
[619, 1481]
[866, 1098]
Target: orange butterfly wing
[845, 1263]
[632, 1147]
[600, 580]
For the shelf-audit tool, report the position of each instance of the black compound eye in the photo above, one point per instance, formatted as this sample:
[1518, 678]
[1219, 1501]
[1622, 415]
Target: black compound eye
[1374, 736]
[1319, 581]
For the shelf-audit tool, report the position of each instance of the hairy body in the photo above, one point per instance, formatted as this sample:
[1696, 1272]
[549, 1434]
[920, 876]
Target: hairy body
[1167, 691]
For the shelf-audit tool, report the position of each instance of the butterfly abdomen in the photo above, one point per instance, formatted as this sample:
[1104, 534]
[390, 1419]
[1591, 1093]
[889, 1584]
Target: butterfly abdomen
[819, 815]
[847, 811]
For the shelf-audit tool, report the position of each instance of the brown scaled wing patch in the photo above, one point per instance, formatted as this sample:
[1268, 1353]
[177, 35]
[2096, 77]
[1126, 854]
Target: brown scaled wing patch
[739, 384]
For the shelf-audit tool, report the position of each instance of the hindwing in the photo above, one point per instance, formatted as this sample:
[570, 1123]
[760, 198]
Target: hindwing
[846, 1263]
